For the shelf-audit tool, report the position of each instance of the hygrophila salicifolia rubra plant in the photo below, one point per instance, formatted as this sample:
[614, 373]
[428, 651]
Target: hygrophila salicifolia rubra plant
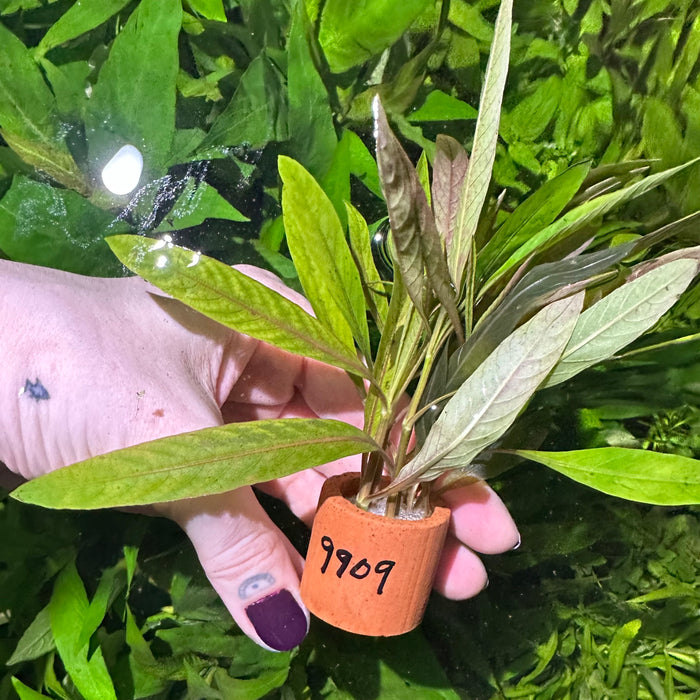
[484, 308]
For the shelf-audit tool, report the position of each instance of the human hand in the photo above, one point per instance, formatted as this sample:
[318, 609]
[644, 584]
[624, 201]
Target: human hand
[91, 365]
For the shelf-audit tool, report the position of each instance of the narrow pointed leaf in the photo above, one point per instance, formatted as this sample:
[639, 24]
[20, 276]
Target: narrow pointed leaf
[134, 98]
[24, 692]
[67, 609]
[621, 316]
[406, 202]
[362, 163]
[581, 216]
[208, 461]
[36, 640]
[675, 228]
[649, 265]
[322, 257]
[197, 203]
[489, 401]
[543, 284]
[449, 171]
[536, 288]
[423, 173]
[351, 33]
[211, 9]
[483, 154]
[257, 113]
[233, 299]
[77, 20]
[534, 214]
[312, 137]
[29, 122]
[619, 645]
[375, 293]
[637, 475]
[419, 251]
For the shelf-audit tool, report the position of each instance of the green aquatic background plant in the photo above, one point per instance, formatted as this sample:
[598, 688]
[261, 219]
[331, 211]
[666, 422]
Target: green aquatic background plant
[243, 92]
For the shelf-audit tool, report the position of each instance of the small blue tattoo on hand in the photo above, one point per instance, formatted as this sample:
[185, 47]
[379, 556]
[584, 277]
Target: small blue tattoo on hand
[35, 390]
[253, 585]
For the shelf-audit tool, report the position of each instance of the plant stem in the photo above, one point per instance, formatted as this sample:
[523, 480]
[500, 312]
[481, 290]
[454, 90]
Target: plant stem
[436, 340]
[372, 469]
[470, 289]
[393, 505]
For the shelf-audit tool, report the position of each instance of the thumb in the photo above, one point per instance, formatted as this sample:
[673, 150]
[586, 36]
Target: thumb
[249, 562]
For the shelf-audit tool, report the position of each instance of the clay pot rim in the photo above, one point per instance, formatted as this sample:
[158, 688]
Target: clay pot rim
[342, 486]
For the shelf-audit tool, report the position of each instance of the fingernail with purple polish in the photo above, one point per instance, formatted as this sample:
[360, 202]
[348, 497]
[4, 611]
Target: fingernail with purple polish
[279, 620]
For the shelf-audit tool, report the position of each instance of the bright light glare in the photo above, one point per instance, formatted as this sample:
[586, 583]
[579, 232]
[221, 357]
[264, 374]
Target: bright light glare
[123, 172]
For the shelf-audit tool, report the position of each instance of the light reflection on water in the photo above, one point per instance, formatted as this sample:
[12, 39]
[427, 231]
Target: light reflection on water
[122, 173]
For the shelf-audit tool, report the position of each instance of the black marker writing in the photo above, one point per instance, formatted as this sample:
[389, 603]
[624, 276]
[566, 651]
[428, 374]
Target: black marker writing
[360, 570]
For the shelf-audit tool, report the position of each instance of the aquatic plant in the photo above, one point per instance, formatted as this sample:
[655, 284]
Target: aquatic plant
[482, 311]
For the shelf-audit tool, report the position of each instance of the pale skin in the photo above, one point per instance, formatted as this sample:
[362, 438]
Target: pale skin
[92, 365]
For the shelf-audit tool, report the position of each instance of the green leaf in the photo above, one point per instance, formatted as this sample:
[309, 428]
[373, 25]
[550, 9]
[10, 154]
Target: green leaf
[423, 173]
[545, 654]
[619, 645]
[362, 163]
[661, 133]
[483, 154]
[208, 461]
[310, 121]
[35, 641]
[45, 225]
[25, 692]
[350, 33]
[469, 19]
[533, 113]
[419, 251]
[395, 673]
[68, 85]
[336, 182]
[197, 203]
[530, 217]
[449, 171]
[133, 100]
[485, 406]
[78, 19]
[211, 9]
[322, 257]
[375, 293]
[233, 299]
[110, 584]
[186, 145]
[257, 112]
[250, 688]
[637, 475]
[621, 316]
[67, 608]
[439, 107]
[147, 673]
[130, 557]
[28, 119]
[581, 216]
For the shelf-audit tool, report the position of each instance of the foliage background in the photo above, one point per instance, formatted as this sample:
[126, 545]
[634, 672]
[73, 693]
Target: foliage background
[601, 600]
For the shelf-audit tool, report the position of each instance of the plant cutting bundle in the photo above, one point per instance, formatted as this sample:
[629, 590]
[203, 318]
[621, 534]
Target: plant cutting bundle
[483, 309]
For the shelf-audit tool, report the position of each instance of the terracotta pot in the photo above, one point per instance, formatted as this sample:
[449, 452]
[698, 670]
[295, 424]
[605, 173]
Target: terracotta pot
[366, 573]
